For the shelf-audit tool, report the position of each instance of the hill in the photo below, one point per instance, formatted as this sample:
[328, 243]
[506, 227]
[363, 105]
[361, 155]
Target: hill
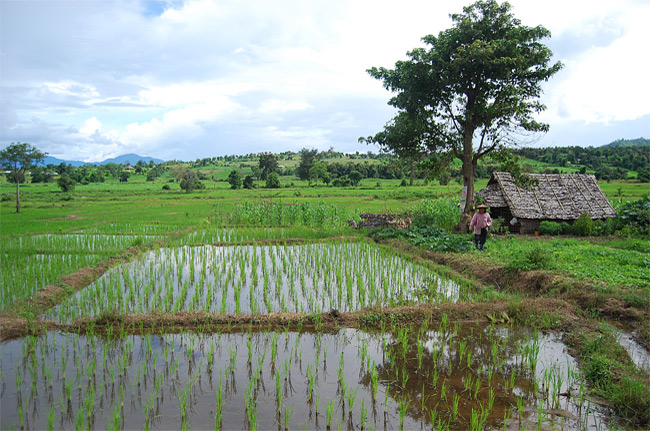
[639, 142]
[131, 159]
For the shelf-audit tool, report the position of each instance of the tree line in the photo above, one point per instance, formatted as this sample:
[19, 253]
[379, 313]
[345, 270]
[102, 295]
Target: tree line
[608, 162]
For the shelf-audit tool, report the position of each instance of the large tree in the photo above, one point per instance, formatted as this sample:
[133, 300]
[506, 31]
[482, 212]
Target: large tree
[17, 159]
[477, 85]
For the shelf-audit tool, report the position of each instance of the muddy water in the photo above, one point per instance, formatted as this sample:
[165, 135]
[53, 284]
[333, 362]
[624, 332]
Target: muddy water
[260, 279]
[454, 378]
[640, 356]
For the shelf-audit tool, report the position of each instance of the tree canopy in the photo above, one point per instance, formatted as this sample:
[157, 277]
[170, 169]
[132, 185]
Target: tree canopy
[475, 89]
[17, 158]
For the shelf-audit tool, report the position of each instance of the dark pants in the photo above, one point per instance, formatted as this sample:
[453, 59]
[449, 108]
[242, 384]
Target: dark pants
[479, 239]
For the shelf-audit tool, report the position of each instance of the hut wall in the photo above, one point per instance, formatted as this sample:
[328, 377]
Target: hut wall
[528, 226]
[506, 215]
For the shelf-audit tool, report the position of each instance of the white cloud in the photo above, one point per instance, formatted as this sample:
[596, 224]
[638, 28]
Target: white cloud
[109, 77]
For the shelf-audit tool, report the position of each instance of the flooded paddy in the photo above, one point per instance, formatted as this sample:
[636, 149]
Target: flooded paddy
[443, 376]
[249, 279]
[29, 263]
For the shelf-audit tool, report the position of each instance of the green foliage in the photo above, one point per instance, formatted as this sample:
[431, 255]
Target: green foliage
[426, 234]
[248, 182]
[355, 178]
[307, 158]
[532, 258]
[554, 228]
[191, 182]
[636, 215]
[613, 376]
[234, 179]
[17, 158]
[273, 181]
[479, 69]
[320, 214]
[268, 163]
[441, 212]
[584, 226]
[596, 262]
[65, 183]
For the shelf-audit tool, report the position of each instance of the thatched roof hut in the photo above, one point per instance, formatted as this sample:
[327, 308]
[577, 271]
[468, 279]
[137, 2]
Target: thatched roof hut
[557, 197]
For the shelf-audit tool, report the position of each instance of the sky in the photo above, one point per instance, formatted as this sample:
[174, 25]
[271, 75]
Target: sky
[185, 79]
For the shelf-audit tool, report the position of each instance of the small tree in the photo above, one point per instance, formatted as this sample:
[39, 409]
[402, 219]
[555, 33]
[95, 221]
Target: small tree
[65, 183]
[273, 181]
[355, 177]
[307, 158]
[190, 181]
[268, 163]
[317, 171]
[248, 182]
[17, 159]
[234, 179]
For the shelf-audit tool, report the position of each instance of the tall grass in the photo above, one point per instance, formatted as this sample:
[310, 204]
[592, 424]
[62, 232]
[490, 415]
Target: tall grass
[319, 214]
[443, 212]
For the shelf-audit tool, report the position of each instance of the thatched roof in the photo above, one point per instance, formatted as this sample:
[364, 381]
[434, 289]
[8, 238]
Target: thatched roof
[556, 197]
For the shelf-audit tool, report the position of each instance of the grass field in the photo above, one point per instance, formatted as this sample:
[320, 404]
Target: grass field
[228, 286]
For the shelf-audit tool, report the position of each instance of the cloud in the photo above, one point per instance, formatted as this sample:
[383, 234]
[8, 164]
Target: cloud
[199, 78]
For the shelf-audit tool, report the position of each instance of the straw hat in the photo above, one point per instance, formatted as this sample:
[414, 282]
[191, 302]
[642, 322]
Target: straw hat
[482, 206]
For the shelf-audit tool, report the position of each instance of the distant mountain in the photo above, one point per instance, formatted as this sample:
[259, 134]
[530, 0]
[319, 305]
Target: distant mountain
[130, 159]
[639, 142]
[54, 161]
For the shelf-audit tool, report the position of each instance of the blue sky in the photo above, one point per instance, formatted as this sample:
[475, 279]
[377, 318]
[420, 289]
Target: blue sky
[93, 79]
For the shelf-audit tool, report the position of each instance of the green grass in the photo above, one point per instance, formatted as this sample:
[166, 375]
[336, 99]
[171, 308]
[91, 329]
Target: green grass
[613, 376]
[596, 262]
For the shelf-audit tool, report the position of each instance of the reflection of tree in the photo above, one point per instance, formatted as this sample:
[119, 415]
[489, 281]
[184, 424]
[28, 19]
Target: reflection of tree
[445, 364]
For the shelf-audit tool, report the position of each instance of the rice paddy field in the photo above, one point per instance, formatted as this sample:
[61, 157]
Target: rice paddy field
[146, 310]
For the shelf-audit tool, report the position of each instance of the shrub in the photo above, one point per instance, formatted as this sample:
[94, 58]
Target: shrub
[273, 181]
[565, 228]
[234, 179]
[636, 215]
[535, 258]
[584, 226]
[550, 228]
[248, 182]
[441, 212]
[66, 183]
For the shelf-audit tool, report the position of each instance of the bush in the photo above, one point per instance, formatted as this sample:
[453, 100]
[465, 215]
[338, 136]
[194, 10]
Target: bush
[565, 228]
[441, 212]
[273, 181]
[234, 179]
[635, 215]
[66, 183]
[550, 228]
[584, 226]
[535, 258]
[248, 182]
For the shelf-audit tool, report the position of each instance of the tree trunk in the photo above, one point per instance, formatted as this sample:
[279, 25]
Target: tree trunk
[17, 196]
[468, 180]
[412, 166]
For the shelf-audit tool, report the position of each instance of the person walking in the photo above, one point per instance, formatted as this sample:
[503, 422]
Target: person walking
[480, 223]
